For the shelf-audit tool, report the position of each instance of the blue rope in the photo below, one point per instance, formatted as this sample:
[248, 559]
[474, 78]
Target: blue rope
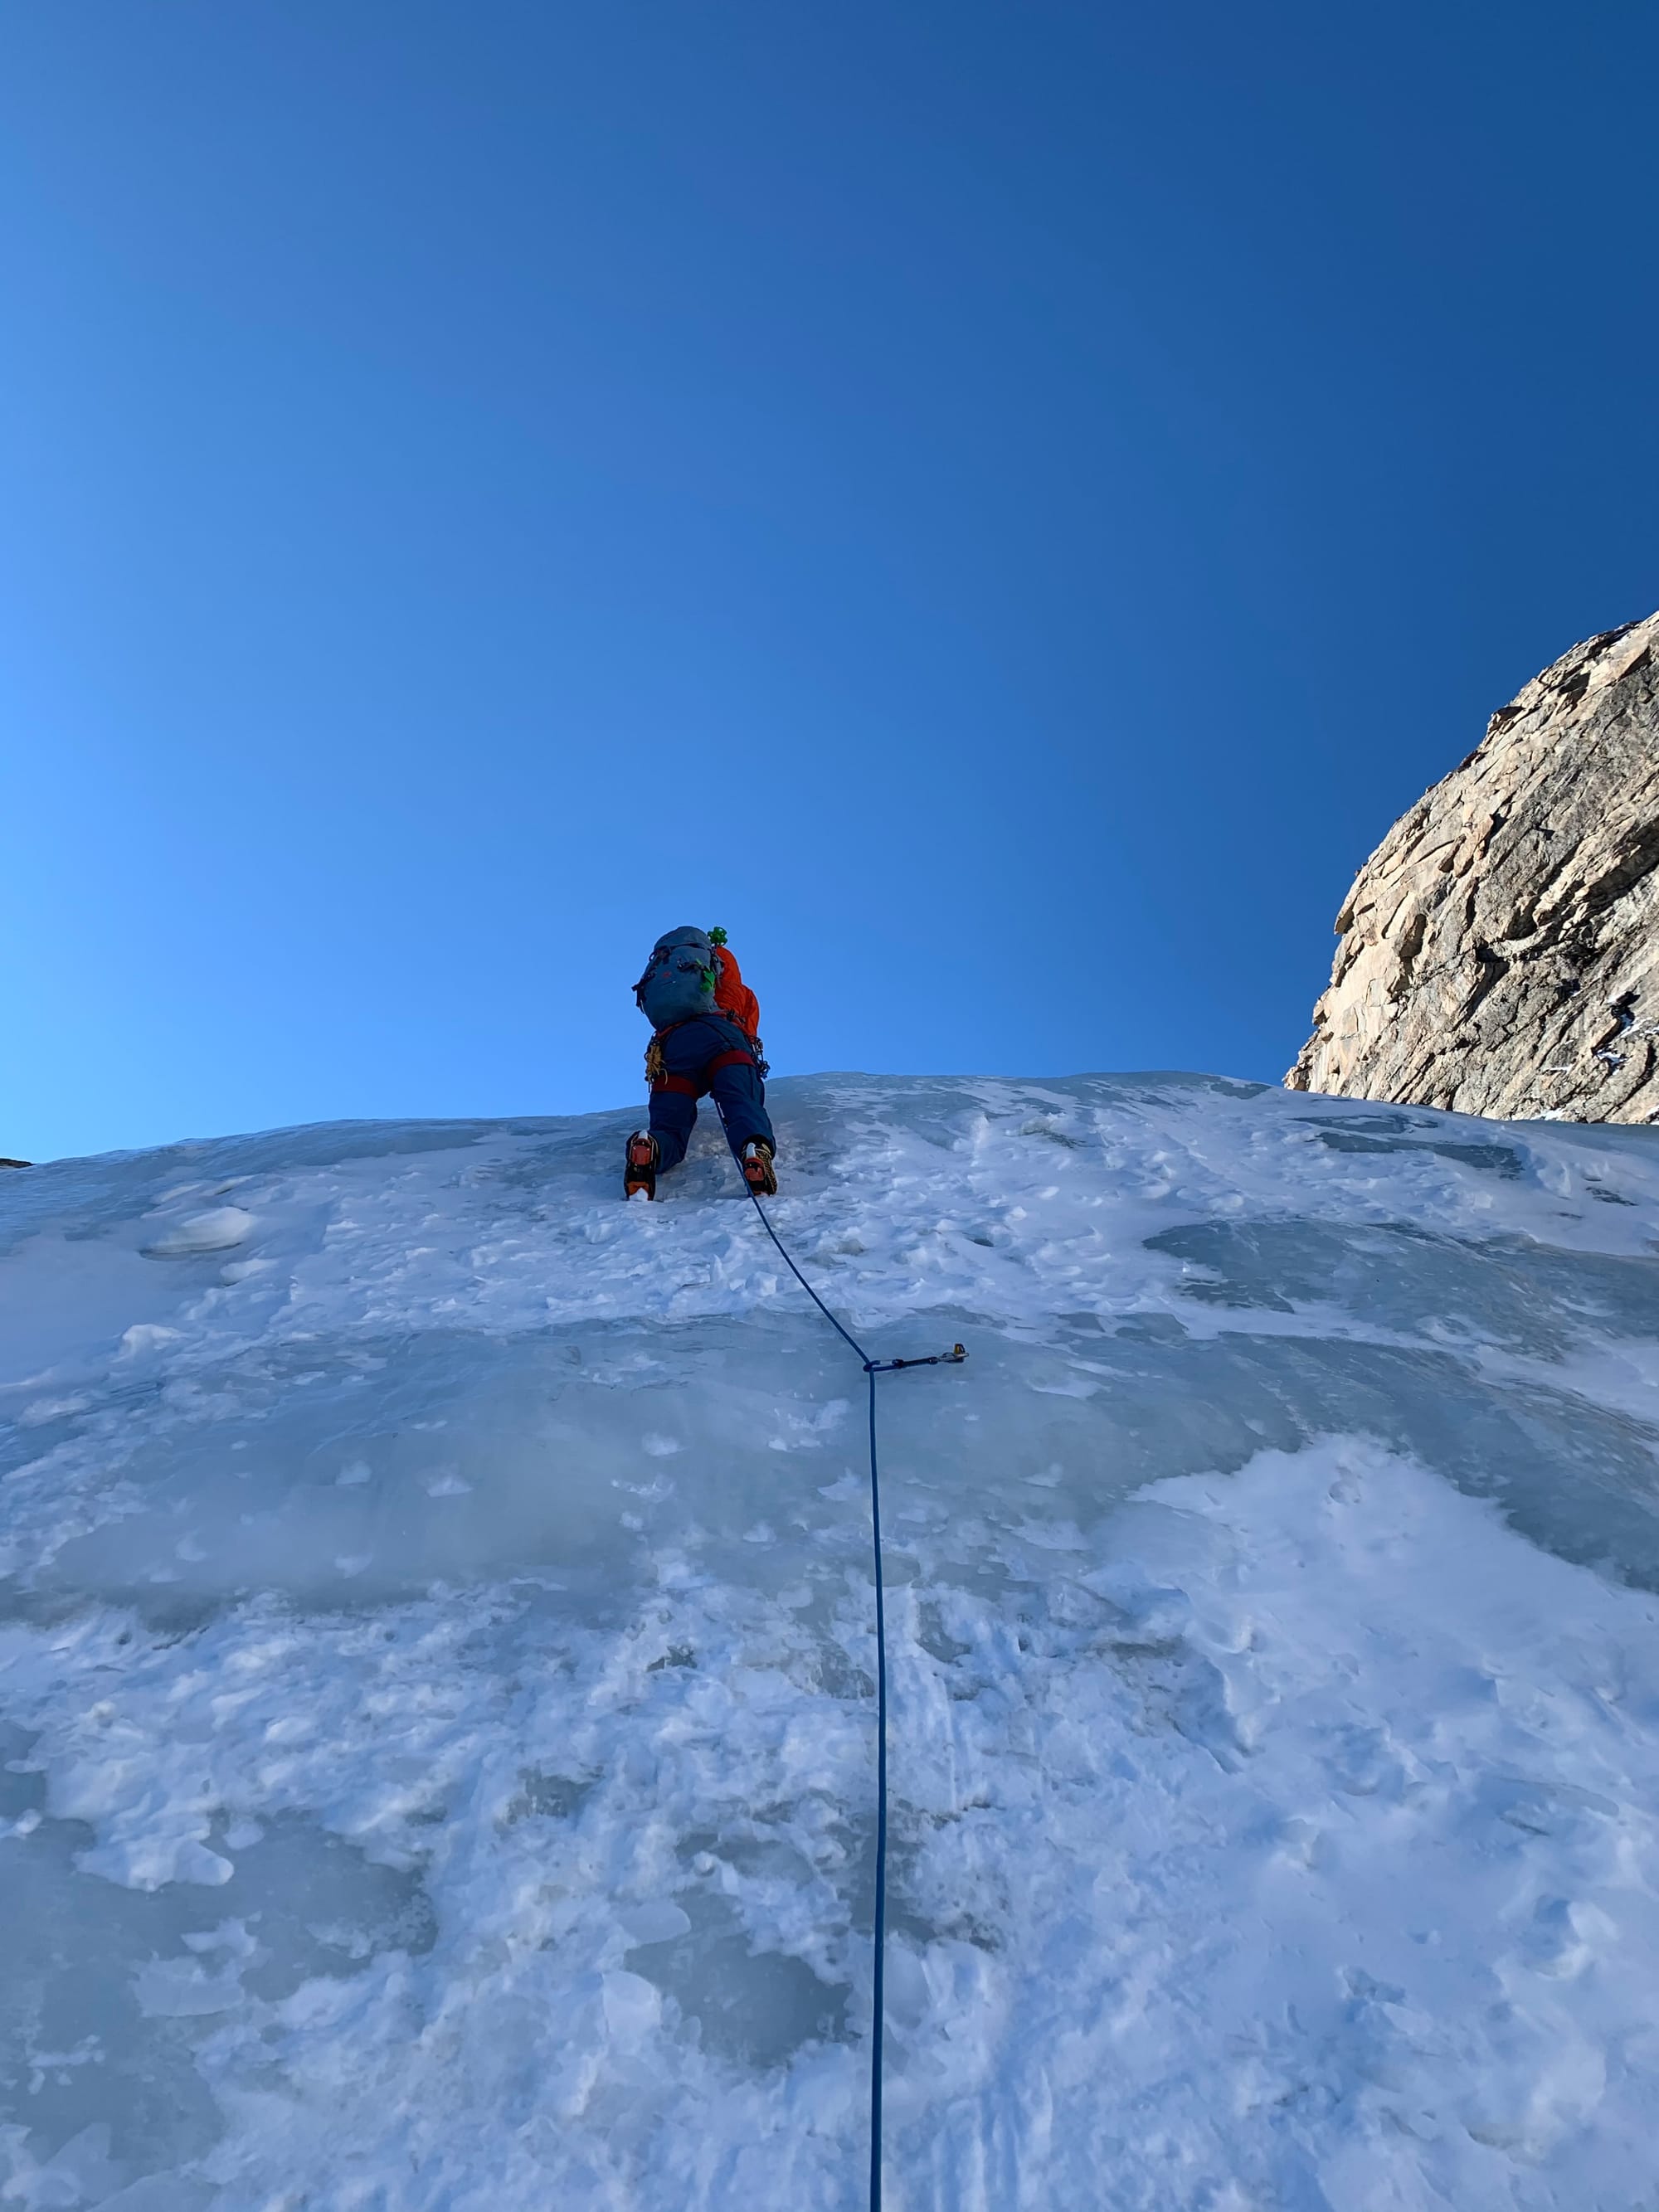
[878, 1999]
[872, 1368]
[851, 1342]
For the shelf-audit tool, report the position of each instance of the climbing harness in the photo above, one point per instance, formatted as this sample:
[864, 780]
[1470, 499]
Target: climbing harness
[658, 1078]
[953, 1357]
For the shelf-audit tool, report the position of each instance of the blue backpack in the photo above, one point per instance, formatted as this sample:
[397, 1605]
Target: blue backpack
[679, 979]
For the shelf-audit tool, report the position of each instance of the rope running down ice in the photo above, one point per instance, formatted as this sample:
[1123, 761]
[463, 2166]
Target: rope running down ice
[872, 1368]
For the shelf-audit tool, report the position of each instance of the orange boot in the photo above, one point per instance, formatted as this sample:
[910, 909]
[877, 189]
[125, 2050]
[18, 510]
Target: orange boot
[640, 1171]
[757, 1162]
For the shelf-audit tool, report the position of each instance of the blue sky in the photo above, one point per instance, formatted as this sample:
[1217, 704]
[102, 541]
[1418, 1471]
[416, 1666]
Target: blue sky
[1000, 506]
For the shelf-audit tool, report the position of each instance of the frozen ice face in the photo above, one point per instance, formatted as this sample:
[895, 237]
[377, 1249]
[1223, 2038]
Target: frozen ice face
[435, 1659]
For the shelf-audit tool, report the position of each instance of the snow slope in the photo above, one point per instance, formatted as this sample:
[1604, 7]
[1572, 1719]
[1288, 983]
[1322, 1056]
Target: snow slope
[436, 1733]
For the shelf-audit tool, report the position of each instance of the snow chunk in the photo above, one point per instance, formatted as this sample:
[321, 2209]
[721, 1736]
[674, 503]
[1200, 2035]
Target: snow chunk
[219, 1229]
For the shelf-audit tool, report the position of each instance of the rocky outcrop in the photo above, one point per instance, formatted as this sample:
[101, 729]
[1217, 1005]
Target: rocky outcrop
[1500, 948]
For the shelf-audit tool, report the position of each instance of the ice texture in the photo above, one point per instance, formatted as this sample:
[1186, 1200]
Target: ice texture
[436, 1735]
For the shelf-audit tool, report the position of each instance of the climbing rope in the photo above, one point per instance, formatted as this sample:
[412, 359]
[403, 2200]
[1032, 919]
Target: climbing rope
[872, 1368]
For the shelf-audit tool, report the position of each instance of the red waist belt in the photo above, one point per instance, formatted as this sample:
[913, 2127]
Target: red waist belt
[690, 1087]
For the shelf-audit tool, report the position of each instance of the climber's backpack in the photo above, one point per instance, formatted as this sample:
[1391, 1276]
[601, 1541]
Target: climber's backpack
[679, 979]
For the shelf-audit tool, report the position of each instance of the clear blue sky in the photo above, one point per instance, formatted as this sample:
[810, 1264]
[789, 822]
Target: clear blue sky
[1001, 505]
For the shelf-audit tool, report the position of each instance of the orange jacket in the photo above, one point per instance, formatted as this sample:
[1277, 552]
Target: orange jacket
[732, 995]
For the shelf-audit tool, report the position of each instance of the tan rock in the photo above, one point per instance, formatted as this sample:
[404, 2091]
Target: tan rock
[1500, 950]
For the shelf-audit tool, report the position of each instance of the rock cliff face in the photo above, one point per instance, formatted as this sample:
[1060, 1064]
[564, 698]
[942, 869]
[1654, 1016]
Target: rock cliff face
[1500, 948]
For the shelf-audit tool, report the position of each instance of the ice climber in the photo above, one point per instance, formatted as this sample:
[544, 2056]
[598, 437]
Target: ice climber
[705, 1040]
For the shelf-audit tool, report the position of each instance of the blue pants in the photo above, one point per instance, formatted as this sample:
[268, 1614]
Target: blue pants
[737, 1089]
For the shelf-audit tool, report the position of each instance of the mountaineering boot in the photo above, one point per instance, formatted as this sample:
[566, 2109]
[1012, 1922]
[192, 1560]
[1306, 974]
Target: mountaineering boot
[639, 1168]
[757, 1162]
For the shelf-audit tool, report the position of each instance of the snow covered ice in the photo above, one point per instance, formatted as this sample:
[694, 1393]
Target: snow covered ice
[436, 1740]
